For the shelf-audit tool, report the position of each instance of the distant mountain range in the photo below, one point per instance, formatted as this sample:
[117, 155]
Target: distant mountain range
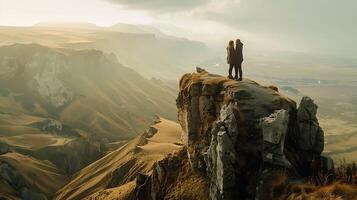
[143, 48]
[119, 27]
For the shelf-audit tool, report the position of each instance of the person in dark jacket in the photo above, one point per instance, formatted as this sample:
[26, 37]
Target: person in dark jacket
[231, 59]
[239, 58]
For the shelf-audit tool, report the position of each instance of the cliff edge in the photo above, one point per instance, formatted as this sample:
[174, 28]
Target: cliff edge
[238, 133]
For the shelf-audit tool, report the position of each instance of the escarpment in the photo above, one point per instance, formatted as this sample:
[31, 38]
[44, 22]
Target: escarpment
[238, 132]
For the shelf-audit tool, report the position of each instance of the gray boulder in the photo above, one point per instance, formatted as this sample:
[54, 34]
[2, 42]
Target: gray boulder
[274, 129]
[327, 164]
[311, 135]
[4, 148]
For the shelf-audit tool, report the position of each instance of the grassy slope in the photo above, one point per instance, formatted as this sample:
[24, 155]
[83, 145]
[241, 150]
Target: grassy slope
[121, 166]
[110, 100]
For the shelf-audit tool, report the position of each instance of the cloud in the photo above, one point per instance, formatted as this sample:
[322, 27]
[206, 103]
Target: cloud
[287, 13]
[318, 25]
[327, 25]
[160, 5]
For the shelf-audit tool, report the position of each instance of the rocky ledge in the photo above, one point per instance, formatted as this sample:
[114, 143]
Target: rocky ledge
[239, 132]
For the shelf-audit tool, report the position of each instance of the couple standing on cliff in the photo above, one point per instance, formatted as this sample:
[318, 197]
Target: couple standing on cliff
[235, 59]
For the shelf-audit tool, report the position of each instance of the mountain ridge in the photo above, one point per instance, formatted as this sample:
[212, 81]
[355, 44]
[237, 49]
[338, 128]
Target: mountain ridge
[49, 74]
[140, 51]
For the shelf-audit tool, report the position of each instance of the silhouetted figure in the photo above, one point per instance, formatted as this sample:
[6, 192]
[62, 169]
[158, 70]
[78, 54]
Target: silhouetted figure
[239, 59]
[231, 59]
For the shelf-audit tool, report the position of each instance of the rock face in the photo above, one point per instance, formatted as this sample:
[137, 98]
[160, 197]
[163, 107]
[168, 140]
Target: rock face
[14, 178]
[312, 136]
[274, 129]
[221, 155]
[49, 85]
[171, 178]
[237, 131]
[30, 178]
[55, 127]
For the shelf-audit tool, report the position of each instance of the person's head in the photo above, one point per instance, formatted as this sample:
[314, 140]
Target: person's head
[231, 43]
[237, 41]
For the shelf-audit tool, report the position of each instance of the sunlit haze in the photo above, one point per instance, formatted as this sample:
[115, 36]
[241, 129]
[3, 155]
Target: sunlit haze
[322, 26]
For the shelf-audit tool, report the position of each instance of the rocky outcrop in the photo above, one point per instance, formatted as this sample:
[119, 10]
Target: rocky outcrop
[4, 148]
[55, 127]
[221, 156]
[238, 131]
[28, 178]
[171, 178]
[49, 85]
[274, 129]
[15, 179]
[311, 137]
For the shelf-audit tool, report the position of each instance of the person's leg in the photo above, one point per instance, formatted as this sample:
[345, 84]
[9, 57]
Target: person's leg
[235, 71]
[240, 71]
[230, 71]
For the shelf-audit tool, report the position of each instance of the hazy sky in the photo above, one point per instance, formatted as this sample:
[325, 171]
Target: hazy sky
[322, 26]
